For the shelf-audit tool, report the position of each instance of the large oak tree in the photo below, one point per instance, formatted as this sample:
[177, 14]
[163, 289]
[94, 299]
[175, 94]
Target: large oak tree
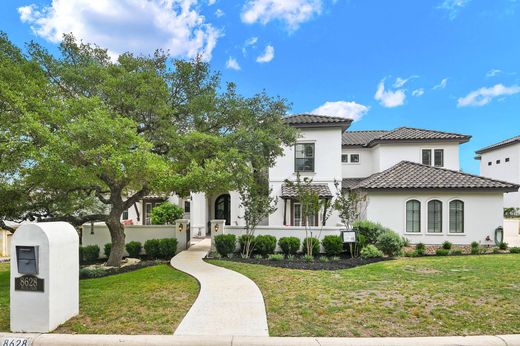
[83, 137]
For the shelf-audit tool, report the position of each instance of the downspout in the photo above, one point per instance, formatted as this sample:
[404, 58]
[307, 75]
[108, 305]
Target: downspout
[285, 211]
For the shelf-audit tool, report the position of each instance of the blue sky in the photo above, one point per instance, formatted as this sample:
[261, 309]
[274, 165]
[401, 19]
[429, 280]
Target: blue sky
[451, 65]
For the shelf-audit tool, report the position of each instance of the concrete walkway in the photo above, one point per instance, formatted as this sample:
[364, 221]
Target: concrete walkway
[229, 304]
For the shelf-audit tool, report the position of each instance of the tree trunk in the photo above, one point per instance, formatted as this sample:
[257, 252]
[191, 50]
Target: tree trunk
[117, 233]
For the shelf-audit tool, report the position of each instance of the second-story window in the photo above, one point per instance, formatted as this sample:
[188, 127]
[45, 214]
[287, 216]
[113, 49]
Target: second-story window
[427, 157]
[354, 158]
[437, 159]
[344, 158]
[304, 157]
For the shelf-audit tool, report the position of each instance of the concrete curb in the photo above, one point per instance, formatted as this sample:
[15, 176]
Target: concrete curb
[160, 340]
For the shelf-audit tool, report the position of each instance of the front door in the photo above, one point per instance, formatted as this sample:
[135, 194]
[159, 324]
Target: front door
[223, 208]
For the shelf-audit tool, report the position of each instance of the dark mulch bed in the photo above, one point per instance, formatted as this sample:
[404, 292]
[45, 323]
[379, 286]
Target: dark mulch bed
[299, 263]
[86, 273]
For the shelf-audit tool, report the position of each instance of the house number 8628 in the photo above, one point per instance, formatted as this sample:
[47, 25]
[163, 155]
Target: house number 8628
[16, 342]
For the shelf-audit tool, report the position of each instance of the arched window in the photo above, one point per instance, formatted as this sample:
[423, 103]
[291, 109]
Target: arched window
[413, 216]
[435, 216]
[456, 216]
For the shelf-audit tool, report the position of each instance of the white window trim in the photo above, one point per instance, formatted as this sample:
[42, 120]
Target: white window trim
[463, 216]
[443, 219]
[421, 226]
[432, 157]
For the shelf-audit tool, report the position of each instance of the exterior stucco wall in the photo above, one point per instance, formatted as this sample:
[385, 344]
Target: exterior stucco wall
[507, 171]
[482, 215]
[364, 168]
[327, 166]
[390, 154]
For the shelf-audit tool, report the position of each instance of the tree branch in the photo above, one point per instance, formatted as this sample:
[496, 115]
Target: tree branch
[135, 198]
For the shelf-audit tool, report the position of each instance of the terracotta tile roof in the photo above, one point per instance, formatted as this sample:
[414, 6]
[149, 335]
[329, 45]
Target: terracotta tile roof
[499, 145]
[410, 175]
[370, 138]
[313, 120]
[321, 189]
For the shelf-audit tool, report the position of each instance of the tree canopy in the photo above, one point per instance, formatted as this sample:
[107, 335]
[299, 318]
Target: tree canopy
[83, 137]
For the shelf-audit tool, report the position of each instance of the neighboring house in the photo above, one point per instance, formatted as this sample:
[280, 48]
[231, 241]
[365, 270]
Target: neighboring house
[140, 212]
[502, 161]
[410, 178]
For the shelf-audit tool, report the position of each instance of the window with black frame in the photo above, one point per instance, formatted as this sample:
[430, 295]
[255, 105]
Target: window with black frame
[456, 216]
[413, 216]
[435, 216]
[304, 157]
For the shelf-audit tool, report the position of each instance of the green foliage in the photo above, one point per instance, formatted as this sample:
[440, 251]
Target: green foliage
[265, 244]
[502, 245]
[313, 244]
[446, 245]
[166, 213]
[167, 247]
[242, 240]
[258, 257]
[134, 249]
[420, 248]
[107, 248]
[152, 248]
[323, 259]
[390, 243]
[456, 252]
[332, 244]
[349, 205]
[514, 249]
[225, 244]
[276, 257]
[90, 254]
[370, 251]
[369, 230]
[290, 257]
[442, 252]
[335, 258]
[475, 248]
[289, 245]
[510, 213]
[89, 273]
[406, 241]
[308, 258]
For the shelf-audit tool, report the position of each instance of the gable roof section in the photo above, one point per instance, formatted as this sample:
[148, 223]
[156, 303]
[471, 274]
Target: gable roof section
[322, 190]
[401, 134]
[498, 145]
[408, 175]
[312, 120]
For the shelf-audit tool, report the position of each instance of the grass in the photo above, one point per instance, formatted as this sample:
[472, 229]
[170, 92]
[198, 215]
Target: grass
[464, 295]
[152, 300]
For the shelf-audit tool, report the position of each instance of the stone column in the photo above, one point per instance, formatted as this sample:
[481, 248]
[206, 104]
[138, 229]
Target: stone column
[217, 227]
[181, 225]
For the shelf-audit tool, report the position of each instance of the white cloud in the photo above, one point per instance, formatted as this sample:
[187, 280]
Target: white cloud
[126, 25]
[389, 98]
[399, 82]
[219, 13]
[251, 41]
[212, 2]
[452, 7]
[441, 85]
[232, 64]
[418, 92]
[493, 72]
[483, 96]
[292, 12]
[267, 56]
[344, 109]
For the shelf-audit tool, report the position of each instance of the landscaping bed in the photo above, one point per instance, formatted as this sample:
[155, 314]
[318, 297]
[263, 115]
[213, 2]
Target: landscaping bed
[423, 296]
[316, 264]
[129, 265]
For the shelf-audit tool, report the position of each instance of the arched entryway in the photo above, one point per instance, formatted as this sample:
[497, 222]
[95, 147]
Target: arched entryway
[223, 208]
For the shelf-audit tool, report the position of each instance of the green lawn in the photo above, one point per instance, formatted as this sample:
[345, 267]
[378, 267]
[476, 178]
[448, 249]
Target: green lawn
[147, 301]
[463, 295]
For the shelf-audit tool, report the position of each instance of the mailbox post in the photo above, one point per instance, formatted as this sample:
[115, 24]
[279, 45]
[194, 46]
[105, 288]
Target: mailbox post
[44, 276]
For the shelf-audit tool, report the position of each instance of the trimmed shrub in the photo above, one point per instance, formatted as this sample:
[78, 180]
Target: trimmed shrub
[275, 257]
[475, 248]
[442, 252]
[243, 239]
[315, 245]
[166, 213]
[502, 245]
[390, 243]
[446, 245]
[107, 249]
[514, 249]
[134, 249]
[369, 230]
[152, 249]
[167, 248]
[265, 244]
[332, 244]
[420, 248]
[411, 254]
[289, 245]
[456, 252]
[90, 253]
[225, 244]
[370, 251]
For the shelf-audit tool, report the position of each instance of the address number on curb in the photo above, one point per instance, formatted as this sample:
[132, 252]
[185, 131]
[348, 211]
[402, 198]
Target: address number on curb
[16, 342]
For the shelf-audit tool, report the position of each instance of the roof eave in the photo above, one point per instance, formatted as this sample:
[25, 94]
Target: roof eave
[423, 189]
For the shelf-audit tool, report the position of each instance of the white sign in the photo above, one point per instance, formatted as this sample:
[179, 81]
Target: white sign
[348, 236]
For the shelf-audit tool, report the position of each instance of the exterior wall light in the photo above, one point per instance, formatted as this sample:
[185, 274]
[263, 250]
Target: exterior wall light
[181, 227]
[216, 227]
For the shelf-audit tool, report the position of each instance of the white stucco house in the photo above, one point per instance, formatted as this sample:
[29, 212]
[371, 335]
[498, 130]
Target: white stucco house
[411, 179]
[502, 161]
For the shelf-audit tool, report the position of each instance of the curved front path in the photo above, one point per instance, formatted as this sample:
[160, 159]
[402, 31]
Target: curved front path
[228, 304]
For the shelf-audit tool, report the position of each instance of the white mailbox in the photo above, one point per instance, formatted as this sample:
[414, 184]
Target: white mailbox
[44, 276]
